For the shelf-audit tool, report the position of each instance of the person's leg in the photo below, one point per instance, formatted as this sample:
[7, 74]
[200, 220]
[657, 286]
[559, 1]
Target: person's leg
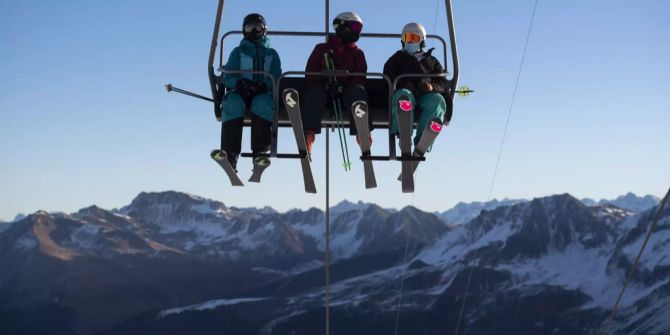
[394, 107]
[351, 94]
[431, 105]
[262, 108]
[232, 122]
[313, 101]
[311, 109]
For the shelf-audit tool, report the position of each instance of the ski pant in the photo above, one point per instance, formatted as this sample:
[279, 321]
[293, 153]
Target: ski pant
[431, 106]
[315, 98]
[232, 123]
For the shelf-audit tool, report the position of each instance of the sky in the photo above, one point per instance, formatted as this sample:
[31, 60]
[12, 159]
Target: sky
[84, 117]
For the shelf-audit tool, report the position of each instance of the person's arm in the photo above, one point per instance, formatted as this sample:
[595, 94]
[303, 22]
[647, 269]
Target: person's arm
[439, 84]
[360, 66]
[390, 69]
[275, 69]
[314, 65]
[233, 63]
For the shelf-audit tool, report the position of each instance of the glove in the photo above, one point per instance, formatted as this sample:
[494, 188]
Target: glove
[246, 89]
[334, 88]
[425, 86]
[261, 87]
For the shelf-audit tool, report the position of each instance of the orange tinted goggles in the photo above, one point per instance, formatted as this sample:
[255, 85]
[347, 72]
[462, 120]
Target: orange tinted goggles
[411, 38]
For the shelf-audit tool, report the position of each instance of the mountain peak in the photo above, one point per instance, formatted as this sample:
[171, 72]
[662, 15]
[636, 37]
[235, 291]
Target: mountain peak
[629, 201]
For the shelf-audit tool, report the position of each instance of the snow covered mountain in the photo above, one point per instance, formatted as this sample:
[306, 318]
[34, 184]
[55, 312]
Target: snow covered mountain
[464, 212]
[178, 263]
[4, 225]
[629, 201]
[548, 266]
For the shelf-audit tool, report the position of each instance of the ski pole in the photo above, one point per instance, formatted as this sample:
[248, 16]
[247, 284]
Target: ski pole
[347, 162]
[339, 130]
[171, 88]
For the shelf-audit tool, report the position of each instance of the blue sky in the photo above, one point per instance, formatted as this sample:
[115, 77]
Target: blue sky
[84, 118]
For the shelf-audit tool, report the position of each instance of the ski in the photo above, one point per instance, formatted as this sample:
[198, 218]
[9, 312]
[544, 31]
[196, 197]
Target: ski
[260, 164]
[429, 135]
[361, 115]
[292, 103]
[405, 125]
[221, 158]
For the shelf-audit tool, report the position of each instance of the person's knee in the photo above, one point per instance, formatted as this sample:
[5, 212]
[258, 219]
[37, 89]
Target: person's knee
[355, 92]
[262, 105]
[433, 103]
[233, 106]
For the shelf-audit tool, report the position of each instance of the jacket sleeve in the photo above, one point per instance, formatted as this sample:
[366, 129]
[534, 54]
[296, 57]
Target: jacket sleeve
[360, 67]
[390, 69]
[314, 65]
[233, 63]
[439, 84]
[275, 70]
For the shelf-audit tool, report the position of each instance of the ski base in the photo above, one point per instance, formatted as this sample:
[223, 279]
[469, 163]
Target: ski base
[292, 104]
[427, 139]
[361, 118]
[220, 157]
[260, 164]
[405, 108]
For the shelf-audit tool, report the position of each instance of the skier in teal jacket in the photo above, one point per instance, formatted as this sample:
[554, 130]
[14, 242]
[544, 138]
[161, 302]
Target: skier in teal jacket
[249, 91]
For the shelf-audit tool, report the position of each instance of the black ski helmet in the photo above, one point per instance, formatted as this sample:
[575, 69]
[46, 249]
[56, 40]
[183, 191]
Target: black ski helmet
[348, 26]
[254, 27]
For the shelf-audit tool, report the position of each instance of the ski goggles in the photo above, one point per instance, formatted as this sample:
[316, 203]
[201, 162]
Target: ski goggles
[249, 27]
[411, 38]
[355, 27]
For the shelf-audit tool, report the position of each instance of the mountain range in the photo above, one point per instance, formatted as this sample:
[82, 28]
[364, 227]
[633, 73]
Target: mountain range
[174, 263]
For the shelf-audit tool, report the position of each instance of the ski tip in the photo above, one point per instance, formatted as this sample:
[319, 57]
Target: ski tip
[291, 97]
[436, 125]
[262, 161]
[218, 154]
[405, 103]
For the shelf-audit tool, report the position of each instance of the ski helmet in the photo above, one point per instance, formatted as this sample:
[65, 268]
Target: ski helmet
[348, 26]
[413, 33]
[254, 27]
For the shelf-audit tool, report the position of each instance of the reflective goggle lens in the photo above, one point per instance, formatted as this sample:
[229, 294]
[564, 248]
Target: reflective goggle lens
[411, 38]
[251, 26]
[355, 27]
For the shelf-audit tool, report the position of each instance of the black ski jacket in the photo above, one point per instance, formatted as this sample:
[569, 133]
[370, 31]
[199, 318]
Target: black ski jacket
[402, 63]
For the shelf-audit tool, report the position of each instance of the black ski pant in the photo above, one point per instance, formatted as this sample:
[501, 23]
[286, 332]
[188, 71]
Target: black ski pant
[315, 98]
[231, 135]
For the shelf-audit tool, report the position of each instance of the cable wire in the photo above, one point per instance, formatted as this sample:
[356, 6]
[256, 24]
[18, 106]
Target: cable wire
[637, 262]
[500, 151]
[402, 278]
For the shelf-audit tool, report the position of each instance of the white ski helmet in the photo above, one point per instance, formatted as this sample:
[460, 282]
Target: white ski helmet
[345, 17]
[416, 28]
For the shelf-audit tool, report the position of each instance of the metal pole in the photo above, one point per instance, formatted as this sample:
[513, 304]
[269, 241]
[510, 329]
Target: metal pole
[327, 231]
[212, 53]
[454, 49]
[327, 19]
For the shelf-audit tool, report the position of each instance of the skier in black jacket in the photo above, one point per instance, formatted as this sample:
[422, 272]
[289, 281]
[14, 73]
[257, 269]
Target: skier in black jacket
[427, 91]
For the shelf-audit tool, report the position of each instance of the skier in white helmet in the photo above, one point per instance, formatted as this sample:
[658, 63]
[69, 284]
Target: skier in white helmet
[424, 92]
[339, 53]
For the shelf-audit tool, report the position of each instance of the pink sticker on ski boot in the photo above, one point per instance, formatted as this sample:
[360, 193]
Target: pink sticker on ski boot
[436, 127]
[405, 105]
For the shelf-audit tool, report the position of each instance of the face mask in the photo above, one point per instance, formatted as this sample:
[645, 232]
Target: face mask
[411, 48]
[254, 35]
[347, 36]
